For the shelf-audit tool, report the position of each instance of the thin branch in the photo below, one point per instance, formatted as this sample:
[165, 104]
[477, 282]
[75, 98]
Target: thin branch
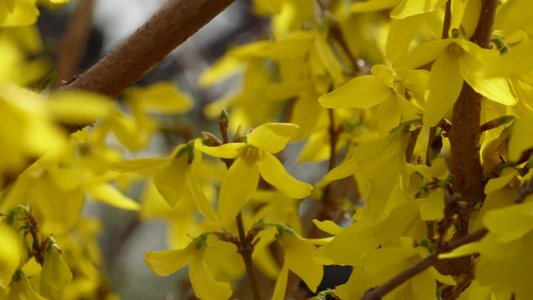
[129, 61]
[431, 137]
[413, 136]
[327, 203]
[336, 33]
[379, 292]
[333, 138]
[496, 123]
[246, 254]
[447, 20]
[525, 190]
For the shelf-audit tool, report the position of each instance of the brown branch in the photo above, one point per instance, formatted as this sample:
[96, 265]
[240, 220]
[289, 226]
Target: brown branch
[496, 123]
[447, 20]
[525, 190]
[379, 292]
[246, 254]
[129, 61]
[74, 41]
[333, 138]
[413, 136]
[465, 133]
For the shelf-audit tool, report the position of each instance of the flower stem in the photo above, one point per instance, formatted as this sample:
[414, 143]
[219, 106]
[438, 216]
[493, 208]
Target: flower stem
[246, 247]
[246, 254]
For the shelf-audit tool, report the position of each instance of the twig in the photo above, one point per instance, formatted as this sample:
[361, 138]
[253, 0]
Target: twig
[378, 292]
[336, 33]
[413, 136]
[447, 20]
[129, 61]
[525, 190]
[327, 203]
[333, 138]
[496, 123]
[431, 137]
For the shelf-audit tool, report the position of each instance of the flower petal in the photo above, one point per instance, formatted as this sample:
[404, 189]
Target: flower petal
[299, 258]
[237, 187]
[145, 166]
[345, 169]
[521, 137]
[199, 199]
[424, 286]
[328, 226]
[424, 54]
[272, 137]
[510, 223]
[409, 8]
[9, 254]
[444, 86]
[273, 172]
[230, 150]
[171, 180]
[518, 61]
[361, 92]
[108, 194]
[203, 283]
[373, 5]
[55, 274]
[281, 283]
[162, 97]
[433, 207]
[497, 89]
[77, 106]
[166, 262]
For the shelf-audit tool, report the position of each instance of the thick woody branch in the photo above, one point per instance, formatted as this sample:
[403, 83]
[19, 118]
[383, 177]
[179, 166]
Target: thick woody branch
[465, 132]
[129, 61]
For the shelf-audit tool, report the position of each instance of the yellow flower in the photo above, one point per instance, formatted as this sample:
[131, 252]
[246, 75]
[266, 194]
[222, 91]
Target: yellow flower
[456, 60]
[31, 133]
[378, 161]
[18, 13]
[298, 257]
[255, 157]
[175, 176]
[55, 275]
[22, 289]
[61, 178]
[385, 88]
[166, 262]
[9, 256]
